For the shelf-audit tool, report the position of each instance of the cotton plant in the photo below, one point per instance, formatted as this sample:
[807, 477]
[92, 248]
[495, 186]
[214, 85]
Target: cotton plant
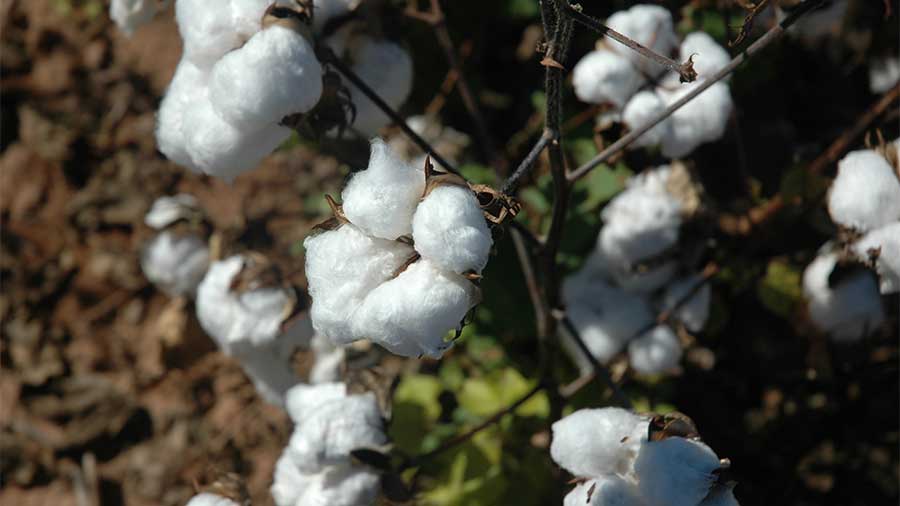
[627, 459]
[129, 15]
[398, 263]
[176, 258]
[447, 141]
[633, 274]
[316, 468]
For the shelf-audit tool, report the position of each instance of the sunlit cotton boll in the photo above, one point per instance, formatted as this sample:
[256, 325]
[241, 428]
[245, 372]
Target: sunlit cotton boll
[708, 56]
[675, 471]
[701, 120]
[187, 87]
[273, 75]
[886, 242]
[449, 229]
[595, 442]
[846, 311]
[207, 29]
[382, 199]
[694, 312]
[328, 360]
[655, 352]
[332, 486]
[410, 314]
[604, 76]
[175, 262]
[643, 107]
[866, 193]
[649, 25]
[386, 68]
[207, 499]
[167, 210]
[129, 15]
[607, 490]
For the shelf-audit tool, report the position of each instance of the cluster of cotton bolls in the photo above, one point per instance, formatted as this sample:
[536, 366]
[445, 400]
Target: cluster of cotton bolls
[842, 284]
[632, 274]
[637, 88]
[625, 459]
[398, 264]
[175, 259]
[129, 15]
[316, 467]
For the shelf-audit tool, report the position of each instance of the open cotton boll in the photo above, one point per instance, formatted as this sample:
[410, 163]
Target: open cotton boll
[129, 15]
[848, 311]
[649, 25]
[273, 75]
[167, 210]
[410, 314]
[655, 352]
[269, 370]
[207, 29]
[594, 442]
[721, 495]
[207, 499]
[708, 56]
[604, 76]
[329, 358]
[701, 120]
[449, 229]
[247, 15]
[342, 267]
[694, 312]
[381, 200]
[884, 73]
[866, 193]
[387, 68]
[607, 490]
[187, 87]
[642, 107]
[175, 263]
[342, 486]
[887, 240]
[303, 400]
[288, 483]
[675, 471]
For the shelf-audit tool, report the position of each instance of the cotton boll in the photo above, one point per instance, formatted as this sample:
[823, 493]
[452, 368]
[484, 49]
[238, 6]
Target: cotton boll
[866, 193]
[381, 200]
[411, 314]
[246, 15]
[167, 210]
[644, 281]
[847, 311]
[594, 442]
[701, 120]
[694, 312]
[655, 352]
[642, 108]
[721, 495]
[270, 371]
[605, 76]
[129, 15]
[342, 486]
[342, 267]
[675, 471]
[649, 25]
[175, 262]
[303, 400]
[606, 490]
[387, 68]
[275, 74]
[449, 229]
[884, 73]
[329, 358]
[187, 87]
[887, 240]
[288, 483]
[207, 499]
[708, 56]
[207, 30]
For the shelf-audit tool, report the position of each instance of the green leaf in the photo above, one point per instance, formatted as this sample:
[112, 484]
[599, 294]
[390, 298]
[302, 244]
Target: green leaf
[522, 8]
[486, 395]
[780, 289]
[479, 174]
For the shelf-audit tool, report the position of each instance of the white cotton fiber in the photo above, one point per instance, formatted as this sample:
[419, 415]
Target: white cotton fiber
[887, 240]
[643, 107]
[701, 120]
[175, 262]
[302, 401]
[594, 442]
[386, 68]
[207, 499]
[721, 495]
[269, 368]
[649, 25]
[328, 361]
[288, 483]
[247, 15]
[708, 56]
[604, 76]
[342, 486]
[275, 74]
[884, 73]
[129, 15]
[848, 311]
[411, 314]
[187, 88]
[207, 29]
[675, 471]
[167, 210]
[694, 312]
[449, 229]
[342, 267]
[655, 352]
[607, 490]
[382, 199]
[866, 193]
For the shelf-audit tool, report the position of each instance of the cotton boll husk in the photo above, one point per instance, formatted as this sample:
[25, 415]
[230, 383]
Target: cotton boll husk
[848, 311]
[449, 229]
[342, 267]
[382, 199]
[275, 74]
[342, 486]
[649, 25]
[387, 68]
[721, 495]
[866, 193]
[303, 400]
[655, 352]
[594, 442]
[604, 76]
[129, 15]
[167, 210]
[606, 490]
[883, 74]
[641, 108]
[708, 56]
[694, 312]
[411, 314]
[207, 29]
[207, 499]
[675, 471]
[887, 239]
[701, 120]
[175, 263]
[187, 87]
[329, 358]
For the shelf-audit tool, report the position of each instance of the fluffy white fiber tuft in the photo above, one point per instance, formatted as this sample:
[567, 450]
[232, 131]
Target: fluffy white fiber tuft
[386, 68]
[607, 490]
[675, 471]
[695, 311]
[701, 120]
[649, 25]
[886, 241]
[449, 229]
[187, 87]
[642, 108]
[167, 210]
[866, 193]
[708, 56]
[594, 442]
[175, 263]
[655, 352]
[207, 499]
[129, 15]
[207, 29]
[604, 76]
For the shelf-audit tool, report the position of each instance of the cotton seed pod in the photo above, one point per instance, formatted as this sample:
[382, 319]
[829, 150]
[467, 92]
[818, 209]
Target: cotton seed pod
[721, 495]
[695, 311]
[387, 68]
[675, 471]
[649, 25]
[865, 195]
[701, 120]
[129, 15]
[655, 352]
[175, 262]
[604, 76]
[596, 442]
[187, 87]
[275, 74]
[207, 29]
[642, 107]
[207, 499]
[706, 54]
[382, 199]
[449, 229]
[411, 314]
[886, 242]
[607, 490]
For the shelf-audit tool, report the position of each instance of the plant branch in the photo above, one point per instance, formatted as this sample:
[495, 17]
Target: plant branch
[512, 182]
[772, 35]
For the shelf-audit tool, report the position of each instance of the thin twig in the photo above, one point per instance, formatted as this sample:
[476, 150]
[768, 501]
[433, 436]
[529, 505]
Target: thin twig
[524, 168]
[772, 35]
[541, 313]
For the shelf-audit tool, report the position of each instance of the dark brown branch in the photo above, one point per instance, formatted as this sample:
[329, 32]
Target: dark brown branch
[541, 313]
[512, 183]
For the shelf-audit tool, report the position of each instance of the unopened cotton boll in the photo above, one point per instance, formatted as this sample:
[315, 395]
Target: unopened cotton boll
[595, 442]
[207, 499]
[675, 471]
[273, 75]
[207, 29]
[708, 56]
[643, 107]
[129, 15]
[382, 199]
[694, 312]
[607, 490]
[604, 76]
[410, 314]
[187, 87]
[884, 73]
[175, 262]
[649, 25]
[655, 352]
[342, 267]
[449, 229]
[386, 68]
[886, 242]
[847, 311]
[866, 193]
[701, 120]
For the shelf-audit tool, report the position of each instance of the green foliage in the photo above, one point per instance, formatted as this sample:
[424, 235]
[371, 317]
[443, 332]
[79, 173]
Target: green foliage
[779, 290]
